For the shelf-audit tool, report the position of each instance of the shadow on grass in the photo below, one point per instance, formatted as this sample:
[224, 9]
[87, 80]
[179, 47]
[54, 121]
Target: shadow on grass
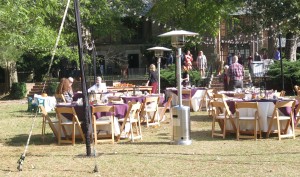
[21, 140]
[201, 118]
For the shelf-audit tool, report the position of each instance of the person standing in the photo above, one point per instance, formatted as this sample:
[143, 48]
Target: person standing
[153, 78]
[236, 74]
[229, 59]
[257, 57]
[188, 60]
[241, 61]
[277, 55]
[201, 63]
[225, 77]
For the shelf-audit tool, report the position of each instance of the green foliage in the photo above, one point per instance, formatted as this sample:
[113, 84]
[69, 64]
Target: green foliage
[168, 77]
[18, 90]
[291, 74]
[194, 15]
[52, 88]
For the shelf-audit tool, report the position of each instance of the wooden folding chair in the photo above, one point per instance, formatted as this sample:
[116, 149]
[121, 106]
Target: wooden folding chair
[221, 117]
[162, 109]
[278, 118]
[247, 117]
[219, 97]
[186, 97]
[130, 122]
[206, 100]
[102, 121]
[297, 111]
[51, 123]
[60, 98]
[63, 123]
[149, 111]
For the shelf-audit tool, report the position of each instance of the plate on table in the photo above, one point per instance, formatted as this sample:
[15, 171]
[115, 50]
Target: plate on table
[64, 104]
[99, 104]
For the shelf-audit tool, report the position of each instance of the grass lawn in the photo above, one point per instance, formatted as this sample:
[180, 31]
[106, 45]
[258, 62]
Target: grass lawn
[153, 156]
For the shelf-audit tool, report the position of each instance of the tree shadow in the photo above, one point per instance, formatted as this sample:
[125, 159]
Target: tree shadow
[21, 140]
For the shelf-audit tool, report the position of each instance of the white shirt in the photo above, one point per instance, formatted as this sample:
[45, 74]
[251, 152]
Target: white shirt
[202, 62]
[98, 88]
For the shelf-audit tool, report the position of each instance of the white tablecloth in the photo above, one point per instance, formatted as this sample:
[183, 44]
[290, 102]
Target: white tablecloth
[49, 102]
[196, 98]
[265, 109]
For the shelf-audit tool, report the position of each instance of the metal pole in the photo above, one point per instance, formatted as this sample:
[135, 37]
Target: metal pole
[178, 73]
[158, 70]
[281, 66]
[94, 60]
[87, 112]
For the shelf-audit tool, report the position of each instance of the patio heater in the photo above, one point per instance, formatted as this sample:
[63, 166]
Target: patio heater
[159, 52]
[181, 123]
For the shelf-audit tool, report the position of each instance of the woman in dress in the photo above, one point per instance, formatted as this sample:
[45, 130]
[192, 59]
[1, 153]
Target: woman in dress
[153, 78]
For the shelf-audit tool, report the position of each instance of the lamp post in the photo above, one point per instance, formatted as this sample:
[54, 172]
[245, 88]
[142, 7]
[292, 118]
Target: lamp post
[281, 66]
[181, 123]
[158, 52]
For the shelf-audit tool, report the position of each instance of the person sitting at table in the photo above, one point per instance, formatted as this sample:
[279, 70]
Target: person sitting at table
[99, 86]
[65, 88]
[153, 78]
[185, 77]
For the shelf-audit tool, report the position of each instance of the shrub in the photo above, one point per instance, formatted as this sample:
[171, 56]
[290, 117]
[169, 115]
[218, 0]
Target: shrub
[51, 89]
[168, 77]
[18, 90]
[291, 75]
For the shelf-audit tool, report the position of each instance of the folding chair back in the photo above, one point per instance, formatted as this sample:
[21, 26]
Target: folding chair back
[186, 97]
[60, 98]
[163, 109]
[101, 122]
[276, 117]
[149, 110]
[51, 123]
[131, 124]
[220, 114]
[62, 124]
[251, 118]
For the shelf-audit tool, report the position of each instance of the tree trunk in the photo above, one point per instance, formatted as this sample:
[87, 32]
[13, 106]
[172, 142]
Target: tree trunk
[10, 75]
[291, 46]
[271, 44]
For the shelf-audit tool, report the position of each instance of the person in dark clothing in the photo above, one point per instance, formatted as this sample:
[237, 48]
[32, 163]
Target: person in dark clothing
[153, 78]
[226, 78]
[185, 77]
[229, 60]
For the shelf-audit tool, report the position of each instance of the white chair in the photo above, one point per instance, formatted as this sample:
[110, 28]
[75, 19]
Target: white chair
[131, 124]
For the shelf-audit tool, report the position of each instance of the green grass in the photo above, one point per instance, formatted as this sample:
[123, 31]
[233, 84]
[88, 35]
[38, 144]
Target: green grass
[153, 156]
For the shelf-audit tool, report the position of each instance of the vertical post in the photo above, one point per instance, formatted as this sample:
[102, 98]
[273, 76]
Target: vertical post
[178, 75]
[158, 70]
[87, 112]
[281, 65]
[94, 61]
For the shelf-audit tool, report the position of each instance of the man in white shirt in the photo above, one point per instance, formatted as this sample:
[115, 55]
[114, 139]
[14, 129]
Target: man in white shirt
[202, 63]
[98, 87]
